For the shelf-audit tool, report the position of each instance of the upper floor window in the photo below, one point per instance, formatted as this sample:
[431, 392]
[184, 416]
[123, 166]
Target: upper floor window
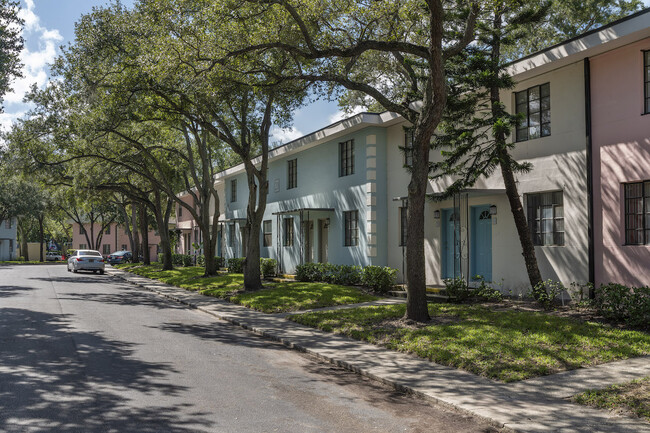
[106, 249]
[546, 218]
[292, 173]
[267, 229]
[233, 190]
[107, 230]
[535, 106]
[180, 211]
[8, 223]
[82, 230]
[403, 215]
[346, 157]
[408, 147]
[288, 232]
[646, 81]
[351, 228]
[637, 213]
[82, 246]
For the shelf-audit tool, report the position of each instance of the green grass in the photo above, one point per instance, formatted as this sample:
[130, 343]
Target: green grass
[632, 397]
[276, 298]
[504, 345]
[22, 262]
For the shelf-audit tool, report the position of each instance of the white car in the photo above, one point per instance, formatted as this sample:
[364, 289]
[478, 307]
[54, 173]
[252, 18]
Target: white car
[86, 260]
[51, 256]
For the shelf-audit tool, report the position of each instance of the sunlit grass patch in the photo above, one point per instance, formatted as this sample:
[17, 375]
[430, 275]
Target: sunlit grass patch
[504, 345]
[631, 398]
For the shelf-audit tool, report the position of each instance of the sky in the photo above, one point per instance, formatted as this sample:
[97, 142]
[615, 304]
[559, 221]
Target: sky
[49, 24]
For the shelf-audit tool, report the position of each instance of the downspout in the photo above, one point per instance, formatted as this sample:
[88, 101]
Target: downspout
[590, 181]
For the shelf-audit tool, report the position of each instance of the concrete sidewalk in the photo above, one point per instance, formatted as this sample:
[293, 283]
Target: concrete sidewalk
[535, 405]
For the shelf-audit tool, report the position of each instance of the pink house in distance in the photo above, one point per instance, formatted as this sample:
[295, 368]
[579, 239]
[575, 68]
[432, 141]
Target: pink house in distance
[113, 239]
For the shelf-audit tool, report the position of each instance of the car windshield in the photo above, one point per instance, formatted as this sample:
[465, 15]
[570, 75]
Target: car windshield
[119, 253]
[88, 253]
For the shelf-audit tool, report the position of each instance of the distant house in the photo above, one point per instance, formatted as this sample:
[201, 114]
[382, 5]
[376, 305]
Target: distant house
[8, 239]
[113, 239]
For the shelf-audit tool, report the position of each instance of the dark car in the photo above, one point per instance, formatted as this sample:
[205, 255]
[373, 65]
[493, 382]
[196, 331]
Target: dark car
[119, 257]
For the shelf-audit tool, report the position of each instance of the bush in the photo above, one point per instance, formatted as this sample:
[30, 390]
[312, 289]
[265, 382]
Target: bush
[348, 275]
[236, 265]
[380, 279]
[268, 267]
[21, 259]
[547, 291]
[182, 260]
[486, 292]
[310, 272]
[630, 305]
[457, 288]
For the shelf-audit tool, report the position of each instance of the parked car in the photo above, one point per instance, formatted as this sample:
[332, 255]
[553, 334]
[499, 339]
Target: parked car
[86, 260]
[52, 256]
[119, 257]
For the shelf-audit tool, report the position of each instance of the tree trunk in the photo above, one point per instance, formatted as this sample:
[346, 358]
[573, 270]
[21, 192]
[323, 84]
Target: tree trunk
[162, 221]
[23, 240]
[144, 229]
[135, 241]
[41, 237]
[254, 215]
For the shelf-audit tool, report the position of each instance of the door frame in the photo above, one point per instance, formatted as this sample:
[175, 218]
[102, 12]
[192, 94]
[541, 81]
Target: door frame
[475, 213]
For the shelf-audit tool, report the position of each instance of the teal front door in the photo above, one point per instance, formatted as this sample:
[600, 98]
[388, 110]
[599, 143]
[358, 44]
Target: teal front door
[450, 244]
[481, 243]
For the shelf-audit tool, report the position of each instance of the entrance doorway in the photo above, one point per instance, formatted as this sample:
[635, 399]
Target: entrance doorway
[308, 236]
[481, 244]
[323, 233]
[450, 231]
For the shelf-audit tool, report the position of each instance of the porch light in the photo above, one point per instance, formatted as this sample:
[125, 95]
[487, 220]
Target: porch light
[493, 210]
[436, 214]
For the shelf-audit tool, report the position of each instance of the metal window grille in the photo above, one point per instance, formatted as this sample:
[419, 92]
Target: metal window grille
[268, 233]
[292, 174]
[82, 230]
[346, 154]
[535, 106]
[107, 231]
[233, 190]
[637, 213]
[646, 81]
[124, 247]
[546, 218]
[403, 215]
[82, 246]
[288, 232]
[351, 228]
[106, 249]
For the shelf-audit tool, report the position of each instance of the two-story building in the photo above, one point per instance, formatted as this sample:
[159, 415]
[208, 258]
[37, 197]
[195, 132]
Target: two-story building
[113, 239]
[8, 239]
[338, 195]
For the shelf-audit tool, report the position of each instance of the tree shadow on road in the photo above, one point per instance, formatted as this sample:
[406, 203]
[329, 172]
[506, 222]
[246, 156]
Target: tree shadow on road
[8, 291]
[56, 378]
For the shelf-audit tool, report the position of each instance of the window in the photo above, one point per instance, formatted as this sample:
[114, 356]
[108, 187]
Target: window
[107, 230]
[546, 218]
[82, 246]
[82, 230]
[11, 245]
[233, 190]
[351, 228]
[637, 213]
[106, 249]
[267, 228]
[287, 240]
[646, 81]
[231, 235]
[180, 211]
[8, 223]
[408, 148]
[346, 156]
[123, 247]
[535, 106]
[292, 174]
[402, 225]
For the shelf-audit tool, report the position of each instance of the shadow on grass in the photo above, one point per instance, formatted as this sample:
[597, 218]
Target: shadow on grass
[57, 378]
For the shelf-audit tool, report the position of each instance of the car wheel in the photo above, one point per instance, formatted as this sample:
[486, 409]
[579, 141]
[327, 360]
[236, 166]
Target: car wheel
[75, 271]
[101, 272]
[94, 272]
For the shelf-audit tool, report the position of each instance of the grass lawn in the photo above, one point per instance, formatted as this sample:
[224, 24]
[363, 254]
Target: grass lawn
[504, 345]
[276, 298]
[630, 398]
[30, 262]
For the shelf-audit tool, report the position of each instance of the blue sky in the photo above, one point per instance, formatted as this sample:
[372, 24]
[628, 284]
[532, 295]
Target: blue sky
[50, 24]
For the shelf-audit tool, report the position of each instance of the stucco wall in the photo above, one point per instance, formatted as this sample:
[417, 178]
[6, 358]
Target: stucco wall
[621, 140]
[8, 241]
[115, 239]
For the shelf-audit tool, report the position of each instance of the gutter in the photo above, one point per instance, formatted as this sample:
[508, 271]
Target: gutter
[590, 180]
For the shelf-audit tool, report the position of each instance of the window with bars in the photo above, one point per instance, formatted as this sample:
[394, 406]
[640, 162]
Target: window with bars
[106, 249]
[546, 218]
[233, 190]
[646, 81]
[287, 239]
[231, 235]
[267, 229]
[346, 156]
[637, 213]
[82, 230]
[351, 219]
[408, 148]
[292, 173]
[107, 230]
[534, 104]
[403, 220]
[82, 246]
[124, 247]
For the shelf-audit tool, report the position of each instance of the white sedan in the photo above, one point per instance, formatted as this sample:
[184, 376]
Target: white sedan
[86, 260]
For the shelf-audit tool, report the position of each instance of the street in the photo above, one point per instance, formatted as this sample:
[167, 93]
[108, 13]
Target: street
[84, 353]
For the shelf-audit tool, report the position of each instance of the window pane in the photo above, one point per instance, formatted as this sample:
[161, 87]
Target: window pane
[522, 108]
[534, 119]
[646, 56]
[546, 104]
[558, 239]
[522, 134]
[647, 74]
[546, 129]
[548, 238]
[534, 106]
[533, 93]
[533, 132]
[647, 105]
[520, 98]
[546, 89]
[546, 116]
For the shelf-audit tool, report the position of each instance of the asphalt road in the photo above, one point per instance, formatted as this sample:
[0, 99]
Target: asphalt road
[90, 353]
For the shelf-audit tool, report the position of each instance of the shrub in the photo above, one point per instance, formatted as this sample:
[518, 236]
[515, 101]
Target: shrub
[486, 292]
[188, 260]
[348, 275]
[547, 291]
[236, 265]
[200, 260]
[630, 305]
[21, 259]
[309, 272]
[268, 266]
[457, 288]
[380, 279]
[160, 257]
[182, 260]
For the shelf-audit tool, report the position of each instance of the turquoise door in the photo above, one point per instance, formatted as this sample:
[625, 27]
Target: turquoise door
[450, 244]
[481, 242]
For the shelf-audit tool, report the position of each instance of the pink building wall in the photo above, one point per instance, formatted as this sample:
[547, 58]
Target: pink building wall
[621, 154]
[114, 241]
[187, 226]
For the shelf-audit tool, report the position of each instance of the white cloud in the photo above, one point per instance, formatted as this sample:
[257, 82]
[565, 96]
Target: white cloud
[35, 61]
[280, 136]
[340, 115]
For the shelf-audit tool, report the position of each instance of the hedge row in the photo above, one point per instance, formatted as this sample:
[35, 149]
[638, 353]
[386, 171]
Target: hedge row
[235, 265]
[630, 305]
[381, 279]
